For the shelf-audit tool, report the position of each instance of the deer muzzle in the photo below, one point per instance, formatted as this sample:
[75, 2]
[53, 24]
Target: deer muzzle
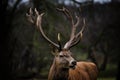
[73, 64]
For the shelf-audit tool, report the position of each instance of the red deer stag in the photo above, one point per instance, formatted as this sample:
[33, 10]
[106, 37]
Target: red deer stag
[64, 66]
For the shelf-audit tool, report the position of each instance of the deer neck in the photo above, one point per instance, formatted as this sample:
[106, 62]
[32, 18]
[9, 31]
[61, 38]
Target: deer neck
[58, 73]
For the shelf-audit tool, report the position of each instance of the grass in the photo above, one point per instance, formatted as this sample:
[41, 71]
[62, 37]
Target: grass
[106, 79]
[109, 73]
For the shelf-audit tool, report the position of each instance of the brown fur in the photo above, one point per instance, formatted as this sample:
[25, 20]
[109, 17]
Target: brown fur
[83, 71]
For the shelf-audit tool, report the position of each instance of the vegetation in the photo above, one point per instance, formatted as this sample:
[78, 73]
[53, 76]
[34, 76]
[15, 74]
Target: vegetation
[24, 54]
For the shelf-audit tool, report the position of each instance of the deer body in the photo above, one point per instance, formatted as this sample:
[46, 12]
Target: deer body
[83, 71]
[64, 66]
[80, 71]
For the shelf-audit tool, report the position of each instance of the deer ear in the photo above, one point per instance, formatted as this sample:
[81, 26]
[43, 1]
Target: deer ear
[54, 50]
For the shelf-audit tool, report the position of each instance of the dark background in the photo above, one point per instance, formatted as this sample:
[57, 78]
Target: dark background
[25, 55]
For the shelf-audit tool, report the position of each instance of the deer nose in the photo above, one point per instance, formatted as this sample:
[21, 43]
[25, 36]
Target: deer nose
[74, 62]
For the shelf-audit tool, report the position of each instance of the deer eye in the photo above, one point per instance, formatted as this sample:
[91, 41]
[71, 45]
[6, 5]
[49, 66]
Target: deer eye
[61, 56]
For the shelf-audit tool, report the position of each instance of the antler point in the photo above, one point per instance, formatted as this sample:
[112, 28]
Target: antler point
[59, 37]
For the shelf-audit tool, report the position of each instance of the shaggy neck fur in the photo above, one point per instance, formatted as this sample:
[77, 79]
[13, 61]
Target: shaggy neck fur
[58, 73]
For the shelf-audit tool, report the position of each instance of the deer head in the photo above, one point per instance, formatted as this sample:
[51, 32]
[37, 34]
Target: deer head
[63, 56]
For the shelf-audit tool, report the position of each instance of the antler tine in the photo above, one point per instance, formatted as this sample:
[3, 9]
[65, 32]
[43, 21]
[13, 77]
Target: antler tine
[37, 20]
[77, 22]
[81, 31]
[78, 36]
[74, 39]
[67, 13]
[59, 39]
[74, 26]
[69, 16]
[30, 17]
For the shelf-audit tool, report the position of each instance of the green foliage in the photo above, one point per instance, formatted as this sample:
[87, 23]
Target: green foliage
[106, 79]
[110, 72]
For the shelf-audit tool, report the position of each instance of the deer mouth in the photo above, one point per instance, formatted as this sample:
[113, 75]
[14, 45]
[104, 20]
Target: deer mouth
[72, 66]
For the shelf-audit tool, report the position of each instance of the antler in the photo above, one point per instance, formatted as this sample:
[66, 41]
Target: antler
[37, 20]
[74, 38]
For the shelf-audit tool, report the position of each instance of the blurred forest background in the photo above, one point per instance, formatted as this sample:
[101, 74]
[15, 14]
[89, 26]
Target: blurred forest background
[25, 55]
